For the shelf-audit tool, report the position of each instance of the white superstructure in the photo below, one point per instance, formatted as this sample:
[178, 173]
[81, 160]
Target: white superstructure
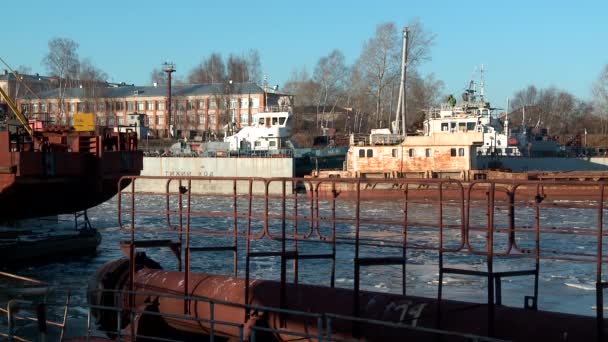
[269, 131]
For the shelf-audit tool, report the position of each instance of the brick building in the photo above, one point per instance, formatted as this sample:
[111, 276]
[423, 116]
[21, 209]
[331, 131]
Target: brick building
[196, 108]
[17, 85]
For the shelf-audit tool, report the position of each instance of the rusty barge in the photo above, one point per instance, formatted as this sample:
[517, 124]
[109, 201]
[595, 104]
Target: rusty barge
[48, 170]
[136, 297]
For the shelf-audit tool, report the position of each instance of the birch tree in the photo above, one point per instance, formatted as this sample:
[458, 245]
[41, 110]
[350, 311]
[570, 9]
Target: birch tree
[62, 62]
[330, 74]
[600, 97]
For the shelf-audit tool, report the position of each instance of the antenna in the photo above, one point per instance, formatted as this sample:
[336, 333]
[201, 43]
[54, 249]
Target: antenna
[482, 84]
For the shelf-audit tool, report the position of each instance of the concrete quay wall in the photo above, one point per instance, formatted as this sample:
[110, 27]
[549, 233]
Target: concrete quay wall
[214, 167]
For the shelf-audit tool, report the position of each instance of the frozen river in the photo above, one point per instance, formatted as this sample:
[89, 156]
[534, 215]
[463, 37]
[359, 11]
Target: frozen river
[563, 285]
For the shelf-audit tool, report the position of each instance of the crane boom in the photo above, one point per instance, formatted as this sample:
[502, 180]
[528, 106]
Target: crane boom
[22, 119]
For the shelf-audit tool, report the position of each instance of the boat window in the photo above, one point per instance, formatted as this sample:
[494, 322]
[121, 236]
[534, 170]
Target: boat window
[509, 150]
[361, 153]
[261, 121]
[275, 121]
[444, 127]
[470, 126]
[282, 121]
[453, 152]
[498, 142]
[462, 126]
[427, 152]
[411, 152]
[395, 153]
[370, 153]
[461, 152]
[258, 143]
[272, 143]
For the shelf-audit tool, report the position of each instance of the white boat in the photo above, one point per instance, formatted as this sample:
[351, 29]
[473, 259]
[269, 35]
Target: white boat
[270, 131]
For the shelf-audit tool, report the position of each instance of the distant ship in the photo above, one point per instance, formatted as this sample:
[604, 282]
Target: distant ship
[49, 170]
[465, 141]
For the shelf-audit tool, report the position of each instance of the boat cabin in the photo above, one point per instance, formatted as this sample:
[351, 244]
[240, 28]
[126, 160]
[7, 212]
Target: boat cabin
[270, 131]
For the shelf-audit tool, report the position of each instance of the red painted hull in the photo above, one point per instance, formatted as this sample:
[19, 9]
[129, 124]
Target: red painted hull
[40, 180]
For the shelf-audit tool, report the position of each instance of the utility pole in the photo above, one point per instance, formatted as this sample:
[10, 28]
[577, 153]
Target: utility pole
[169, 68]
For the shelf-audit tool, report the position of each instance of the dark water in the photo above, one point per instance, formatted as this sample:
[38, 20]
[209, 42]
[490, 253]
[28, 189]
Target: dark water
[563, 286]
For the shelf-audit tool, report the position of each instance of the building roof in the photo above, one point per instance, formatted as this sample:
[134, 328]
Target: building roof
[151, 91]
[6, 76]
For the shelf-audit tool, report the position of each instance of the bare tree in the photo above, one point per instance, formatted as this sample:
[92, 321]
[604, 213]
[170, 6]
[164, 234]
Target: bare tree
[158, 77]
[211, 70]
[600, 97]
[62, 62]
[302, 86]
[93, 83]
[254, 66]
[423, 94]
[330, 74]
[378, 62]
[237, 69]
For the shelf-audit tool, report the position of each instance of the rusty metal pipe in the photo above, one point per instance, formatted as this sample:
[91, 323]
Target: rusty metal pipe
[227, 296]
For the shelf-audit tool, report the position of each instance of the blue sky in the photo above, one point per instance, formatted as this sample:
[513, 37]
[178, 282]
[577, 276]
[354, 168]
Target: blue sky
[545, 43]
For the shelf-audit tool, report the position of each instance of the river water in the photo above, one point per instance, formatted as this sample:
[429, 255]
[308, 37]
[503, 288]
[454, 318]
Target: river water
[564, 286]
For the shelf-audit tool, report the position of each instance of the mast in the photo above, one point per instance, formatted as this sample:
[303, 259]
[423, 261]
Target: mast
[507, 120]
[401, 102]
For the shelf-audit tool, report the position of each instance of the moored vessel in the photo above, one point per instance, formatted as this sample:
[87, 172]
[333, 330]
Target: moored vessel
[49, 170]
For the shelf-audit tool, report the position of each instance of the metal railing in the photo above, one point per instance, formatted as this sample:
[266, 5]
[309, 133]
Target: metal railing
[292, 219]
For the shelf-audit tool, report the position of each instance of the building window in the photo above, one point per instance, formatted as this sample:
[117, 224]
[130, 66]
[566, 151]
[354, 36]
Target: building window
[370, 153]
[141, 106]
[160, 120]
[43, 107]
[150, 105]
[81, 107]
[453, 152]
[72, 107]
[427, 152]
[361, 153]
[51, 107]
[245, 119]
[101, 106]
[255, 103]
[201, 104]
[395, 153]
[160, 105]
[212, 120]
[461, 152]
[232, 103]
[202, 119]
[411, 152]
[130, 106]
[119, 106]
[244, 103]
